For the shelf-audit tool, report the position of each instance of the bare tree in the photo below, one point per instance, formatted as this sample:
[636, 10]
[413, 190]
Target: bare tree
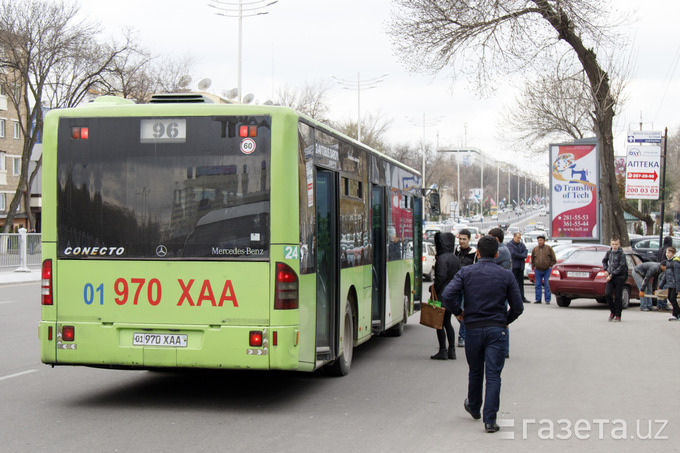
[48, 55]
[374, 129]
[311, 99]
[550, 108]
[490, 38]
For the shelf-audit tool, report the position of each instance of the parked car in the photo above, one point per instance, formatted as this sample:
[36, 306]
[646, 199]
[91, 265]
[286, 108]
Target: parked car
[429, 253]
[511, 230]
[582, 276]
[504, 226]
[648, 246]
[563, 250]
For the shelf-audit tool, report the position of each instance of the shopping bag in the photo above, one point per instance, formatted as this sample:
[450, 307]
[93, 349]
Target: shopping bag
[432, 316]
[432, 313]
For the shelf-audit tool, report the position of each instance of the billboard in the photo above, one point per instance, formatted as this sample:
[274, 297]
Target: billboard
[574, 199]
[643, 165]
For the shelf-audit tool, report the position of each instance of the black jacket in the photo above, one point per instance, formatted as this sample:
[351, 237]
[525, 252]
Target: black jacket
[446, 264]
[661, 254]
[467, 256]
[486, 287]
[614, 262]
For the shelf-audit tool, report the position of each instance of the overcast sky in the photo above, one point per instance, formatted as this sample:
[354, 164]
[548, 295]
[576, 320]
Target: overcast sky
[310, 40]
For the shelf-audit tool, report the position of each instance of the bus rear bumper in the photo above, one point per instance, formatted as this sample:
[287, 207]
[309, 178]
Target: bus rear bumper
[144, 346]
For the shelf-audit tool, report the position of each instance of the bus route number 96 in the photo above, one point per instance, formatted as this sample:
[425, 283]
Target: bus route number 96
[165, 130]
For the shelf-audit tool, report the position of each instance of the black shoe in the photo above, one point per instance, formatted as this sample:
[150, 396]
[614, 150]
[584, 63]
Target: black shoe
[476, 415]
[526, 301]
[491, 427]
[441, 355]
[537, 302]
[452, 353]
[461, 342]
[507, 355]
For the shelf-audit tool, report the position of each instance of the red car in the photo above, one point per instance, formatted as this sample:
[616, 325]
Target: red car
[581, 276]
[562, 252]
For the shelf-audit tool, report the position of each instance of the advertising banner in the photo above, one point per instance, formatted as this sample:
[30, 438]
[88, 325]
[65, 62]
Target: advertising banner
[642, 172]
[574, 201]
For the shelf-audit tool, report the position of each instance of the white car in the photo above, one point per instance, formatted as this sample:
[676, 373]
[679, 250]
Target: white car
[429, 253]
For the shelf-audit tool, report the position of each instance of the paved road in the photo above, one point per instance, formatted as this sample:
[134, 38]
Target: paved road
[568, 366]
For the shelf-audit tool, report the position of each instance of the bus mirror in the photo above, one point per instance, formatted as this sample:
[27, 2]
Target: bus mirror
[434, 203]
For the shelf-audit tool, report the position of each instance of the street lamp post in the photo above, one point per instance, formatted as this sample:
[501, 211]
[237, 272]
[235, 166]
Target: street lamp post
[240, 10]
[424, 123]
[358, 85]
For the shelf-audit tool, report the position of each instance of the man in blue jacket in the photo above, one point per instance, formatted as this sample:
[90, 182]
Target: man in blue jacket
[486, 286]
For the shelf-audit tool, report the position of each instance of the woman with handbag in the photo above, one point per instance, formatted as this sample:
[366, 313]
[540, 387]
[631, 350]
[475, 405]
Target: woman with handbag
[445, 267]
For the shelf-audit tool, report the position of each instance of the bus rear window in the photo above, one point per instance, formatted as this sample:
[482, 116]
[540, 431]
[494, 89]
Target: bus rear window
[163, 188]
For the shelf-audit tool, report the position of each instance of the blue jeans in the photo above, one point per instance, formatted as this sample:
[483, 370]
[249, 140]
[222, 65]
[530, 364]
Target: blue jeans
[485, 352]
[541, 278]
[645, 302]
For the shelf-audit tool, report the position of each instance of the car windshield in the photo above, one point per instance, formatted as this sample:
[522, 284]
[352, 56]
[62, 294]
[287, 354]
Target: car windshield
[586, 257]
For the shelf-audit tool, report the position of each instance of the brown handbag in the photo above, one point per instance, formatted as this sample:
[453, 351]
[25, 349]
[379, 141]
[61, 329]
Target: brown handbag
[430, 315]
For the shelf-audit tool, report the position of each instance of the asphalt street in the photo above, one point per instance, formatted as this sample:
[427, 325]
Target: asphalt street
[574, 382]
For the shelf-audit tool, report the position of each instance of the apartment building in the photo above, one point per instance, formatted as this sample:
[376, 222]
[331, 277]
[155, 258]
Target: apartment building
[11, 143]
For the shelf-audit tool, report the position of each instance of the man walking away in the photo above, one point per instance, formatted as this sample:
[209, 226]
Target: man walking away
[616, 270]
[486, 287]
[644, 275]
[542, 261]
[518, 254]
[504, 260]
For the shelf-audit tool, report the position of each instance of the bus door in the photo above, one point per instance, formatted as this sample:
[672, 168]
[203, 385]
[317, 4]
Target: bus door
[327, 307]
[379, 264]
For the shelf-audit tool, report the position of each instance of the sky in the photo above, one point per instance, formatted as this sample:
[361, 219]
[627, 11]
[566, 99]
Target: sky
[312, 41]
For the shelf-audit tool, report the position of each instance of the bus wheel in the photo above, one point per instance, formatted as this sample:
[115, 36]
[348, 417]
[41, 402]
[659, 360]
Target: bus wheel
[343, 363]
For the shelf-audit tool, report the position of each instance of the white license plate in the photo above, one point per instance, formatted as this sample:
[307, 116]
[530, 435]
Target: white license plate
[578, 274]
[159, 339]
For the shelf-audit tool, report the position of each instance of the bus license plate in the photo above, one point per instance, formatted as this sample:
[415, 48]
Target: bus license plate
[578, 274]
[159, 339]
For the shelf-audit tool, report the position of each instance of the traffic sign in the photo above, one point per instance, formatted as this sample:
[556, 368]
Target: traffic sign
[644, 137]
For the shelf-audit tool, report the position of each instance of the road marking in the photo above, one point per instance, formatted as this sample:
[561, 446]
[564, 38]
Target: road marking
[17, 374]
[7, 301]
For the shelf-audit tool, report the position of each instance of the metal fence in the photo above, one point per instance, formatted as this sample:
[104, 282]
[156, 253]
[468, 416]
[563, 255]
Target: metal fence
[11, 245]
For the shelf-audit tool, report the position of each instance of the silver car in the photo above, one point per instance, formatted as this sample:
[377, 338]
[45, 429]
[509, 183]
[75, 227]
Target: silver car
[429, 253]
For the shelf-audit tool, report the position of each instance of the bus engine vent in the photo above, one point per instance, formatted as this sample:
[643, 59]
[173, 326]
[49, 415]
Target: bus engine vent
[184, 98]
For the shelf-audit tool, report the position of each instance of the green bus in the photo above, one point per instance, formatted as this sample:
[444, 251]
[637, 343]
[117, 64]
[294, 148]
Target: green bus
[186, 233]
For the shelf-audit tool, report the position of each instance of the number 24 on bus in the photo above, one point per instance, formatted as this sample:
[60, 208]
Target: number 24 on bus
[138, 291]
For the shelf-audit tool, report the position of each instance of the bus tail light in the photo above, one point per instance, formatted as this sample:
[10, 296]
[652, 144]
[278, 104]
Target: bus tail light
[68, 333]
[46, 285]
[286, 297]
[255, 338]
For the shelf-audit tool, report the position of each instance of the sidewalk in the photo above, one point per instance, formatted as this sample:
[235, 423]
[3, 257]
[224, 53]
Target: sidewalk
[8, 276]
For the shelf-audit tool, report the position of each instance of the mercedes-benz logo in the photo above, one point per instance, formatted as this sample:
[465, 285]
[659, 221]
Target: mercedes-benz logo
[161, 251]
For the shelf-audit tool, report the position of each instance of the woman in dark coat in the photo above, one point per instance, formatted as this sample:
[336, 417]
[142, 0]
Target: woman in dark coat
[445, 267]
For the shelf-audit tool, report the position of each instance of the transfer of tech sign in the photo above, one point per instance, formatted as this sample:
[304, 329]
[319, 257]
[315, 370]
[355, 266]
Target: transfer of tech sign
[583, 429]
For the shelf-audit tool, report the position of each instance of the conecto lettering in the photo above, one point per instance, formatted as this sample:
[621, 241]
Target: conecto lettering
[94, 251]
